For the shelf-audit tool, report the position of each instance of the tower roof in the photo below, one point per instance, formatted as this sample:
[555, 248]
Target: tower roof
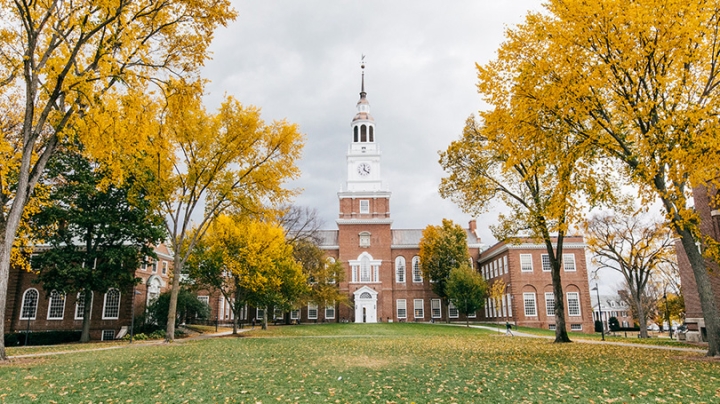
[363, 106]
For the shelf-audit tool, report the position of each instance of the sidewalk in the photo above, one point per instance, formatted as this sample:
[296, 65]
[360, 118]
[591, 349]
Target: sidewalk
[590, 341]
[129, 345]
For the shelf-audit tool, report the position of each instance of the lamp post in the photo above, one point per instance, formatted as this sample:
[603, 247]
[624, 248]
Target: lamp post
[667, 314]
[602, 325]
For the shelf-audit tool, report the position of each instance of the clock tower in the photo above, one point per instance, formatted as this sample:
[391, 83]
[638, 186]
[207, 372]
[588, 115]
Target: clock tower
[363, 197]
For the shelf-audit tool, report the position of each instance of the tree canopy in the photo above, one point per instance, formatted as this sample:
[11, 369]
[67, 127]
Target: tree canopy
[466, 290]
[442, 248]
[210, 164]
[96, 235]
[86, 69]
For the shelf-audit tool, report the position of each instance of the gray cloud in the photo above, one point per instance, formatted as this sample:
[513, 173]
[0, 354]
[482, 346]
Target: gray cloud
[299, 60]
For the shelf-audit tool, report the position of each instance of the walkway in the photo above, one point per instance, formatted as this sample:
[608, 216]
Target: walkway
[592, 341]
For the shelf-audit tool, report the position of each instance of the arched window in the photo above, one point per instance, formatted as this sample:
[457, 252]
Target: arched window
[80, 305]
[400, 270]
[417, 274]
[365, 269]
[365, 295]
[363, 133]
[29, 304]
[355, 134]
[111, 307]
[56, 308]
[372, 134]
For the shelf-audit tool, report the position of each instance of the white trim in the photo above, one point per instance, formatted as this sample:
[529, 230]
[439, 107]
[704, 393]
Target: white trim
[50, 303]
[400, 264]
[526, 246]
[576, 295]
[421, 308]
[548, 307]
[398, 308]
[527, 296]
[77, 299]
[521, 263]
[363, 221]
[574, 262]
[119, 300]
[439, 308]
[37, 303]
[312, 307]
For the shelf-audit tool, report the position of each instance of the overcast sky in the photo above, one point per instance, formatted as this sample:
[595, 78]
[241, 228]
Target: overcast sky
[300, 61]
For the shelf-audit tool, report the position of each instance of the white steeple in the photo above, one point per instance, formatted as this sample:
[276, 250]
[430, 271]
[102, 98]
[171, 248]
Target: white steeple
[363, 157]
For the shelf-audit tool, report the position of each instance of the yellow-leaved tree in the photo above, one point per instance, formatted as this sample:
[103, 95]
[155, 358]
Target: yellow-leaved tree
[638, 82]
[64, 68]
[231, 162]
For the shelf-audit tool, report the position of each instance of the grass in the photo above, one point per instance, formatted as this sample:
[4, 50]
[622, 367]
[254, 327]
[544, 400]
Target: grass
[366, 363]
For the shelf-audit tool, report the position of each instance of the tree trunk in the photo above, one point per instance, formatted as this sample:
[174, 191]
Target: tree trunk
[561, 334]
[174, 291]
[264, 318]
[642, 320]
[9, 231]
[87, 310]
[707, 300]
[236, 313]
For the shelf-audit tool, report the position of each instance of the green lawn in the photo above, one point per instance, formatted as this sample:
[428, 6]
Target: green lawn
[365, 363]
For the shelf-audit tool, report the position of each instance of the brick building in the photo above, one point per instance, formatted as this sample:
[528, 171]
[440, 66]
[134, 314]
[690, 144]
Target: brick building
[383, 279]
[529, 300]
[30, 307]
[709, 226]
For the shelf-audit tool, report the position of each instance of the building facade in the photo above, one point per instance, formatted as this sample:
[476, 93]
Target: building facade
[31, 308]
[528, 300]
[707, 208]
[383, 279]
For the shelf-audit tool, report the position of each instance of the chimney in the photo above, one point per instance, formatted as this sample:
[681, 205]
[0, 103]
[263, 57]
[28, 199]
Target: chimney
[472, 225]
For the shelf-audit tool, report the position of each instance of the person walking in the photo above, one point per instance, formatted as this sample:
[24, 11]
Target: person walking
[508, 328]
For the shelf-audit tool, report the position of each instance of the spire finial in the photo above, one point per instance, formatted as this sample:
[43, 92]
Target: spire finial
[362, 67]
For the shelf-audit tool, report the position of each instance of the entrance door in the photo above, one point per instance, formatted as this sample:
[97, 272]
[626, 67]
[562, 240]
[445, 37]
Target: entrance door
[366, 307]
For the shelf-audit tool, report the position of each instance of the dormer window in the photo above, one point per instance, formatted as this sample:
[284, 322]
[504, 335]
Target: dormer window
[365, 239]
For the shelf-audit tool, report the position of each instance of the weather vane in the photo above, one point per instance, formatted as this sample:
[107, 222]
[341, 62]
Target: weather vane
[362, 61]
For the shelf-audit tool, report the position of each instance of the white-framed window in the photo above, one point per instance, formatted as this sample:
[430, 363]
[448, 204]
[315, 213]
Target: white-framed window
[153, 265]
[526, 263]
[453, 311]
[328, 262]
[573, 301]
[530, 305]
[108, 335]
[144, 264]
[259, 314]
[295, 314]
[436, 308]
[312, 311]
[400, 269]
[277, 314]
[575, 327]
[364, 206]
[505, 264]
[550, 304]
[509, 306]
[417, 273]
[365, 269]
[401, 308]
[56, 307]
[419, 306]
[29, 304]
[625, 324]
[80, 305]
[569, 262]
[472, 315]
[551, 327]
[364, 239]
[164, 267]
[204, 299]
[546, 267]
[111, 305]
[330, 311]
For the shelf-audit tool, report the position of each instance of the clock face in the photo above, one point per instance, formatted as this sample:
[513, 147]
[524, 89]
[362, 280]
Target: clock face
[363, 169]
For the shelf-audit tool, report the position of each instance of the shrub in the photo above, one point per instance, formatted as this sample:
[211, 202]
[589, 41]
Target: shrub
[188, 306]
[614, 324]
[42, 338]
